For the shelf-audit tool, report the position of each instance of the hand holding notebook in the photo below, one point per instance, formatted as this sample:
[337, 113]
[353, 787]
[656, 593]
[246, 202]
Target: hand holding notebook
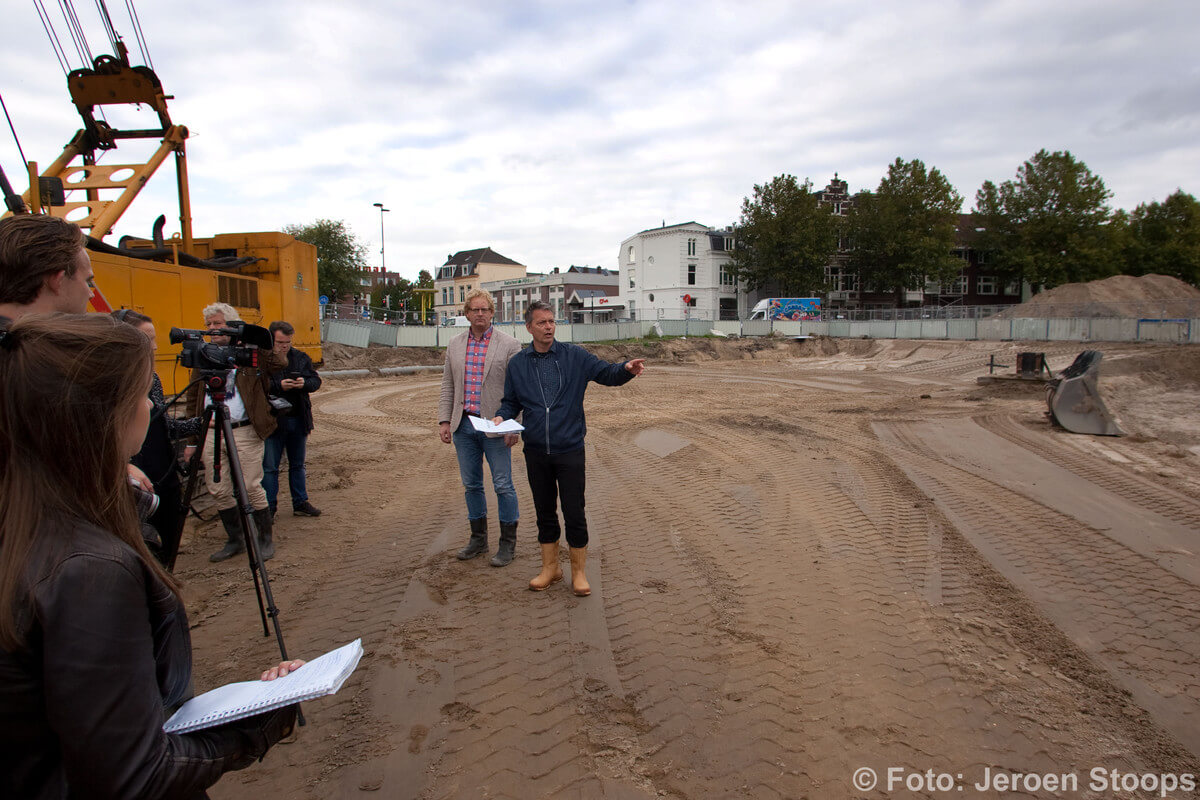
[233, 701]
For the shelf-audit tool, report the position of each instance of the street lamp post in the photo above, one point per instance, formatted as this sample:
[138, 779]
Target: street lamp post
[382, 244]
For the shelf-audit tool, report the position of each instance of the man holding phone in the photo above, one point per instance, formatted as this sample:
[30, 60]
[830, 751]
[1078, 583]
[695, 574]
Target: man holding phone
[292, 384]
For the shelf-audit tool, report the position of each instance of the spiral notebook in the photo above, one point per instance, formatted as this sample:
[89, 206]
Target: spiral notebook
[321, 676]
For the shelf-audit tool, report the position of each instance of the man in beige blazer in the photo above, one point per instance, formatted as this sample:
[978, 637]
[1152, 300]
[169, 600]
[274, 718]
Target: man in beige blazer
[472, 386]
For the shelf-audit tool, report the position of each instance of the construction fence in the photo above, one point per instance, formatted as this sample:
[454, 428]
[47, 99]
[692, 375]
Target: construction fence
[1176, 330]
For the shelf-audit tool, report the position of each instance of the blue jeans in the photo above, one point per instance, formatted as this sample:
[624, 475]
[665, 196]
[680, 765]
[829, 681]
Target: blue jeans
[472, 447]
[289, 436]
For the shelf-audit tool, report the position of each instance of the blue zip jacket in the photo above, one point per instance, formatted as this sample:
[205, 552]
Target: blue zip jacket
[555, 424]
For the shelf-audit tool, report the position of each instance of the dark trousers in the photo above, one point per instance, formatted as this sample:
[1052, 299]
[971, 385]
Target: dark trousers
[555, 476]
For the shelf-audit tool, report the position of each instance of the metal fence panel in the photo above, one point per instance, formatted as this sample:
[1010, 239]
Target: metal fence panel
[416, 336]
[1114, 330]
[1025, 328]
[756, 327]
[994, 329]
[350, 333]
[908, 329]
[882, 329]
[382, 334]
[685, 327]
[1176, 331]
[965, 329]
[1074, 329]
[933, 329]
[590, 332]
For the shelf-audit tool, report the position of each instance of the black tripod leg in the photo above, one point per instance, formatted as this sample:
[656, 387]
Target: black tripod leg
[250, 531]
[195, 464]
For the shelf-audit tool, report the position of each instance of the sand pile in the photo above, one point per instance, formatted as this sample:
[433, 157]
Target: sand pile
[682, 351]
[1118, 296]
[344, 356]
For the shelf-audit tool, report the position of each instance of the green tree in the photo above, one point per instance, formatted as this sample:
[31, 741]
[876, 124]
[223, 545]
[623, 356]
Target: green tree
[1164, 238]
[341, 257]
[1050, 225]
[397, 297]
[784, 238]
[903, 233]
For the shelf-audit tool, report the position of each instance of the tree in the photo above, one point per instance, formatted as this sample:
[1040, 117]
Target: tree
[341, 258]
[903, 233]
[397, 297]
[1049, 226]
[784, 239]
[1164, 238]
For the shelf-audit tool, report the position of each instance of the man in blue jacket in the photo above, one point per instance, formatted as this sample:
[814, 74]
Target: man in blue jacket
[546, 383]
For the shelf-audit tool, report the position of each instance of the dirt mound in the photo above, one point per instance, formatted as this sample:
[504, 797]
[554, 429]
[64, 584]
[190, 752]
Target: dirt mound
[344, 356]
[682, 351]
[1177, 368]
[1118, 296]
[697, 350]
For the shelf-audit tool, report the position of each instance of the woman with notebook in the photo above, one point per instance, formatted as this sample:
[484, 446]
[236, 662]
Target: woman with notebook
[94, 644]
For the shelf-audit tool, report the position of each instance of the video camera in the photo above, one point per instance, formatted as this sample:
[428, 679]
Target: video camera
[245, 343]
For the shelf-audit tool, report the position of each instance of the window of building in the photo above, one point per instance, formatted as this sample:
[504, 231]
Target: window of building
[691, 247]
[956, 286]
[727, 276]
[691, 274]
[985, 284]
[728, 244]
[462, 294]
[841, 279]
[1013, 288]
[445, 296]
[837, 208]
[980, 257]
[630, 254]
[632, 279]
[691, 302]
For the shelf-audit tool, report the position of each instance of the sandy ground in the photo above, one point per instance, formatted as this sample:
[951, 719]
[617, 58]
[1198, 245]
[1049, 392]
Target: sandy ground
[807, 559]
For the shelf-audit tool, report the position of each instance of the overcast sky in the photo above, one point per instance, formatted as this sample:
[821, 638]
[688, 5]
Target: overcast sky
[552, 131]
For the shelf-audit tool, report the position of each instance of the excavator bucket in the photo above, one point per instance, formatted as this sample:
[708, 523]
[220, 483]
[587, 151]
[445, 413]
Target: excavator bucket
[1075, 402]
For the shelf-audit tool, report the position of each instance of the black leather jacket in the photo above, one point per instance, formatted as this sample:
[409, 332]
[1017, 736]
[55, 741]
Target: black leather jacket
[105, 649]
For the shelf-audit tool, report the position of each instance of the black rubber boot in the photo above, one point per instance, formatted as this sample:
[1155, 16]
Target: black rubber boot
[508, 545]
[264, 523]
[477, 544]
[233, 531]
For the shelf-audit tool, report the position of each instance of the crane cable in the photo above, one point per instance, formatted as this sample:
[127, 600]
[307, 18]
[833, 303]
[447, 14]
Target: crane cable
[77, 34]
[12, 128]
[113, 39]
[55, 44]
[137, 33]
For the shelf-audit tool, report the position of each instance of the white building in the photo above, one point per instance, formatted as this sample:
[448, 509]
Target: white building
[680, 271]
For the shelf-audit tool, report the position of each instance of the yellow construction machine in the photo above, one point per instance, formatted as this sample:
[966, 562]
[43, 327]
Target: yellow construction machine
[266, 276]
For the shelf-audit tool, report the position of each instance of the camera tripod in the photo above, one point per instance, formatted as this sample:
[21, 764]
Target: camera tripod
[217, 412]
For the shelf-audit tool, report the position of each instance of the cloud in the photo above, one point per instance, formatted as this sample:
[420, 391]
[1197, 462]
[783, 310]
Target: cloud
[552, 131]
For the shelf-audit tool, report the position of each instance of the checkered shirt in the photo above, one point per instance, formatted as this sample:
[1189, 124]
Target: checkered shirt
[473, 375]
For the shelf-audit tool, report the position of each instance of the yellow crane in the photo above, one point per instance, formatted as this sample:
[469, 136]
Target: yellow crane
[265, 275]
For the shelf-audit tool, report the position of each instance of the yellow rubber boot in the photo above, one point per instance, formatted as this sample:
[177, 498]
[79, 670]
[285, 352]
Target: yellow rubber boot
[551, 571]
[579, 581]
